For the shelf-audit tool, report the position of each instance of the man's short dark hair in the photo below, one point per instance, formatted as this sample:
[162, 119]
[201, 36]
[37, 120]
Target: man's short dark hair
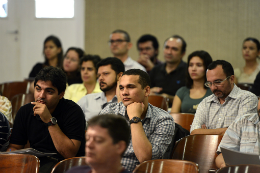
[126, 35]
[226, 66]
[116, 125]
[148, 37]
[93, 58]
[55, 75]
[116, 64]
[144, 78]
[184, 45]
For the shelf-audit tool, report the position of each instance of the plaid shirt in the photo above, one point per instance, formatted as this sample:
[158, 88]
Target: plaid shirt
[243, 135]
[158, 126]
[215, 115]
[6, 108]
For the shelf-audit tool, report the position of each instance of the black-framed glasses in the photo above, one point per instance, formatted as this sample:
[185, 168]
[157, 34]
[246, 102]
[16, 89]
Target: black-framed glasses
[117, 41]
[216, 83]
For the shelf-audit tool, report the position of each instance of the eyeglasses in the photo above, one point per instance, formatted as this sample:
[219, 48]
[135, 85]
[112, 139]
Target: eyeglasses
[216, 83]
[71, 59]
[117, 41]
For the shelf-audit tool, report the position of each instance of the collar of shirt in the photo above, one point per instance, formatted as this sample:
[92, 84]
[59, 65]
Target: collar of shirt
[128, 61]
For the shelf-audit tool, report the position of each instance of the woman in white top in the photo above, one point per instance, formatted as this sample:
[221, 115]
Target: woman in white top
[250, 51]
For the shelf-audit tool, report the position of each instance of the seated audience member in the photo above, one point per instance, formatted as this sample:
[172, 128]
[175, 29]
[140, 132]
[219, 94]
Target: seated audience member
[250, 51]
[256, 85]
[4, 132]
[53, 55]
[168, 77]
[152, 128]
[6, 108]
[109, 72]
[242, 135]
[188, 97]
[88, 65]
[51, 124]
[120, 44]
[227, 103]
[71, 65]
[107, 138]
[148, 48]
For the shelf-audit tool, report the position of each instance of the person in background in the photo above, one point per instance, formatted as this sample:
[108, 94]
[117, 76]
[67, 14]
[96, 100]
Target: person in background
[168, 77]
[218, 111]
[107, 138]
[148, 48]
[188, 97]
[250, 51]
[88, 65]
[109, 71]
[120, 44]
[5, 132]
[53, 55]
[71, 65]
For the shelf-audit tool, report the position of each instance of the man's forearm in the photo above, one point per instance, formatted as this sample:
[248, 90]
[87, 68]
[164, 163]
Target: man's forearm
[219, 131]
[220, 163]
[141, 145]
[65, 146]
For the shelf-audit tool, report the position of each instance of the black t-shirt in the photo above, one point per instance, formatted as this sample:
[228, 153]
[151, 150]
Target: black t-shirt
[36, 69]
[70, 119]
[169, 82]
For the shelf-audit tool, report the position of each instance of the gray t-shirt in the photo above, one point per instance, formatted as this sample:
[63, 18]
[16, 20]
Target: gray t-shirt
[189, 105]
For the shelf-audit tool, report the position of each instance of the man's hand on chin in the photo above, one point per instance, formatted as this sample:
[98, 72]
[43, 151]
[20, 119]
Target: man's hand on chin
[135, 110]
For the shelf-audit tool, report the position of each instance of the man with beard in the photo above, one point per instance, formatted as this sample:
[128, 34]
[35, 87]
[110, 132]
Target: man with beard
[228, 102]
[109, 71]
[147, 46]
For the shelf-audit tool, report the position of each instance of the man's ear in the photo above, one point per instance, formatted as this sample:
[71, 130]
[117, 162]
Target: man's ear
[119, 75]
[232, 79]
[120, 147]
[129, 45]
[61, 95]
[147, 91]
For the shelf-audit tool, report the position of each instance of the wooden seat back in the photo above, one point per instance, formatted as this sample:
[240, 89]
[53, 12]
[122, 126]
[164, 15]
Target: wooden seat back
[167, 166]
[200, 149]
[245, 86]
[22, 163]
[183, 119]
[158, 101]
[66, 164]
[20, 100]
[11, 89]
[239, 169]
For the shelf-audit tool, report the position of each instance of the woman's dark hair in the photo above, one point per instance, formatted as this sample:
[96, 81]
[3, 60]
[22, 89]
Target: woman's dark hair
[205, 57]
[93, 58]
[57, 42]
[253, 40]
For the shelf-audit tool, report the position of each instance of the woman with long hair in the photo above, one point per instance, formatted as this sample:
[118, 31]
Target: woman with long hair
[188, 97]
[53, 55]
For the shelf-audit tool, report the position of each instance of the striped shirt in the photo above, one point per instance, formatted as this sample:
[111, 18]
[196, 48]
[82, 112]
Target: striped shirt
[242, 135]
[158, 126]
[215, 115]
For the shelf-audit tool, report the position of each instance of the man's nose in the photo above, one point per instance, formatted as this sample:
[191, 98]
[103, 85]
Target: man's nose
[42, 94]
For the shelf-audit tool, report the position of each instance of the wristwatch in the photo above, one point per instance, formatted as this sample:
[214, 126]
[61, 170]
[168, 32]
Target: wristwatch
[135, 120]
[52, 121]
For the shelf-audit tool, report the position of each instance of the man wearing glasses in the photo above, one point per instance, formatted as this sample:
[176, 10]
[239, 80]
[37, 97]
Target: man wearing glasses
[119, 45]
[216, 112]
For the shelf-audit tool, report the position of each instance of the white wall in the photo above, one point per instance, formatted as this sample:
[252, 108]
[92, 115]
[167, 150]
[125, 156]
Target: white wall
[32, 32]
